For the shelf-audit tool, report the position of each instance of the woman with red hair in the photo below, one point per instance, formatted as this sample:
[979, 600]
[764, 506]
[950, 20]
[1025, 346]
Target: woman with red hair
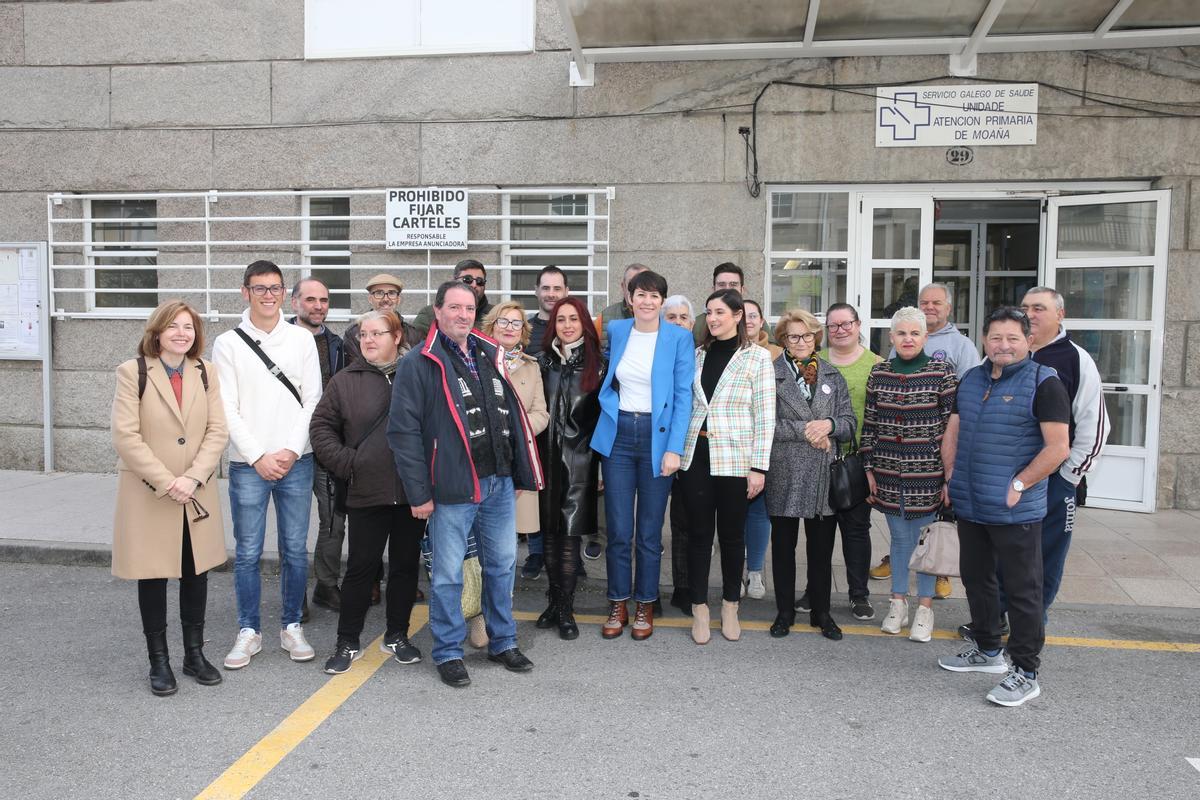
[572, 368]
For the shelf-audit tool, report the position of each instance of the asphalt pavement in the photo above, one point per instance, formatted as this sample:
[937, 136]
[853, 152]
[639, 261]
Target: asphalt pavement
[868, 717]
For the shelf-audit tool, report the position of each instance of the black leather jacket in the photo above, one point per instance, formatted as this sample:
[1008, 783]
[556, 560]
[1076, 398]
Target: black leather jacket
[572, 468]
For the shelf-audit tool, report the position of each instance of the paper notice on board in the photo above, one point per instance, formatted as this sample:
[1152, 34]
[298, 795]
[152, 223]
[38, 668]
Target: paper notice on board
[28, 264]
[9, 269]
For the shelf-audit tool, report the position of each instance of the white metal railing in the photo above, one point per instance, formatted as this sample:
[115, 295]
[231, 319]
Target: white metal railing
[222, 256]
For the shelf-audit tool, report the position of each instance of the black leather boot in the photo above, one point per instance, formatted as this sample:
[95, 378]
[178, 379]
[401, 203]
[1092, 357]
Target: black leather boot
[549, 617]
[162, 680]
[567, 629]
[195, 665]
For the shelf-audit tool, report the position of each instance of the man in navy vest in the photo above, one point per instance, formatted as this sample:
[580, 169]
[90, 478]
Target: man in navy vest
[1008, 432]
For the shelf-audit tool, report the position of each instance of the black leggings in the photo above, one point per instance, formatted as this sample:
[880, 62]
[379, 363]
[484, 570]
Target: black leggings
[716, 503]
[370, 530]
[193, 593]
[819, 535]
[679, 537]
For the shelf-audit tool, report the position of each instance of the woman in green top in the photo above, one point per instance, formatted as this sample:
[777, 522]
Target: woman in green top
[854, 362]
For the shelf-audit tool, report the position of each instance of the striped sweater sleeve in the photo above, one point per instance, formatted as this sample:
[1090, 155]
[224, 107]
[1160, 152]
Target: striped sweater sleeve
[1091, 420]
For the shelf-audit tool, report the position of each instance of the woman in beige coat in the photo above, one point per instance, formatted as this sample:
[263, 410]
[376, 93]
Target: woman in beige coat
[168, 427]
[506, 323]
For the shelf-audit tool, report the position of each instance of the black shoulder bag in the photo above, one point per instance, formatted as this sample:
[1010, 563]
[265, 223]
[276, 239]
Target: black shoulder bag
[847, 479]
[274, 370]
[341, 487]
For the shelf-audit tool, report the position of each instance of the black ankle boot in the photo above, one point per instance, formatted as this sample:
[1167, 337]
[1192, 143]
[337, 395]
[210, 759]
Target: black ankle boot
[549, 617]
[567, 629]
[195, 665]
[162, 680]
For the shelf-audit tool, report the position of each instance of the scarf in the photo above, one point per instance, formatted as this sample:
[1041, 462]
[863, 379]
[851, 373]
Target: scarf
[567, 353]
[512, 358]
[805, 370]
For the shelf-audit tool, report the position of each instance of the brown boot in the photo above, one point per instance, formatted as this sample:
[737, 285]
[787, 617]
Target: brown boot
[618, 616]
[731, 629]
[701, 633]
[643, 622]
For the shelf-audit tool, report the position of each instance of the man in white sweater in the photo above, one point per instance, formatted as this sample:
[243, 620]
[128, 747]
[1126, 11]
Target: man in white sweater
[268, 407]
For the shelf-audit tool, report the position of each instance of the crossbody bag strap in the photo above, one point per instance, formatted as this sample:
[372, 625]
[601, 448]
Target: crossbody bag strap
[274, 370]
[371, 429]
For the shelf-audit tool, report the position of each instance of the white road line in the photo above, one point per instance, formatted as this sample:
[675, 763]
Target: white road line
[1195, 762]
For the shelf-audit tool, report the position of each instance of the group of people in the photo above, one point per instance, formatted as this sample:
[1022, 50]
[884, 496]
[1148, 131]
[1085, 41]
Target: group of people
[478, 423]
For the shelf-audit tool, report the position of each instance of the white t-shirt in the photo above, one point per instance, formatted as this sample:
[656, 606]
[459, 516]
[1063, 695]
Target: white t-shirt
[633, 372]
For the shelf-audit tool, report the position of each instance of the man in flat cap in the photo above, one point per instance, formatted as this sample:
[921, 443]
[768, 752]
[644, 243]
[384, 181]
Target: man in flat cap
[383, 293]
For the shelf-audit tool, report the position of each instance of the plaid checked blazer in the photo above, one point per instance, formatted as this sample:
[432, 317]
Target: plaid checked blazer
[741, 414]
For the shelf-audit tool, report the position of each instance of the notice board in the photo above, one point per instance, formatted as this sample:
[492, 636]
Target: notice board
[24, 306]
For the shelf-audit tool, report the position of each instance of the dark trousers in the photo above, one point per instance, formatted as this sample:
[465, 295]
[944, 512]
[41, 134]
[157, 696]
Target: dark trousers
[819, 535]
[679, 537]
[716, 504]
[331, 530]
[372, 529]
[855, 524]
[1017, 550]
[1056, 534]
[193, 593]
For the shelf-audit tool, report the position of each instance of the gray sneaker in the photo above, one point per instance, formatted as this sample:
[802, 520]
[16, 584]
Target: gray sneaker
[974, 660]
[1015, 689]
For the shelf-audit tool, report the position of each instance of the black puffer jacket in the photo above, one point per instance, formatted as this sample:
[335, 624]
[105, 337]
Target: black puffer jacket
[568, 504]
[354, 401]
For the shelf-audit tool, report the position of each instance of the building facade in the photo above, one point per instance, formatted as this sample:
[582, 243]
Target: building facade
[128, 128]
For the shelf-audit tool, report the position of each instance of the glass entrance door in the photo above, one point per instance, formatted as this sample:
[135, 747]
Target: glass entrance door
[1107, 255]
[896, 253]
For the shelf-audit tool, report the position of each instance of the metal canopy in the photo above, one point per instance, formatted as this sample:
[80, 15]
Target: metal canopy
[605, 31]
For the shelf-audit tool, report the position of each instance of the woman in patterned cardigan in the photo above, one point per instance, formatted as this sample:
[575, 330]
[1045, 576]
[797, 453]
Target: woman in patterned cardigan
[909, 399]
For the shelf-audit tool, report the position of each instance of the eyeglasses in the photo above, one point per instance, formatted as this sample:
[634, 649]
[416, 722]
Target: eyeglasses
[722, 285]
[364, 335]
[841, 326]
[260, 290]
[201, 512]
[507, 324]
[469, 279]
[380, 294]
[793, 338]
[752, 315]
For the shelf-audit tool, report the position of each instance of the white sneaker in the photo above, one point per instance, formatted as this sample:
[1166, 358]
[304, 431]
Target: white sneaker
[292, 639]
[897, 616]
[755, 587]
[247, 645]
[922, 627]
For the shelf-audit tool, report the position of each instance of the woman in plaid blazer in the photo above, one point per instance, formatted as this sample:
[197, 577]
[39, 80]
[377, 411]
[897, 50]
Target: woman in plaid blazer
[726, 454]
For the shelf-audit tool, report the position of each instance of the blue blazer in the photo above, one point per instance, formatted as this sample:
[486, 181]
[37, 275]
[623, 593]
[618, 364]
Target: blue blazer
[671, 378]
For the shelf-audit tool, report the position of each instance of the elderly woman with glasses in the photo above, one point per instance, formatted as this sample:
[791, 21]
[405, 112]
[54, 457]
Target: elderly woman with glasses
[168, 427]
[812, 414]
[507, 324]
[349, 436]
[908, 405]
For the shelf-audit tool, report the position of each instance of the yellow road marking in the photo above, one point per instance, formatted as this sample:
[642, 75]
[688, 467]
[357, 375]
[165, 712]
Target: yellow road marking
[247, 771]
[871, 630]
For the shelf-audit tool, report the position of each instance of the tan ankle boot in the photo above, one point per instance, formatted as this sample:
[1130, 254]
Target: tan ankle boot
[731, 629]
[701, 633]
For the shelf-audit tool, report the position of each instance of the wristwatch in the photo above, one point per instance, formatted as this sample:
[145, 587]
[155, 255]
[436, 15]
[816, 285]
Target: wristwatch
[1018, 485]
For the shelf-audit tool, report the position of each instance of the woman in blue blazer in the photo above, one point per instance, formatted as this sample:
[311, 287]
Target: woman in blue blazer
[645, 404]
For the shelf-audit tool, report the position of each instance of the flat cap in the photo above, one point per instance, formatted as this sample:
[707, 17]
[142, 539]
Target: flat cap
[383, 278]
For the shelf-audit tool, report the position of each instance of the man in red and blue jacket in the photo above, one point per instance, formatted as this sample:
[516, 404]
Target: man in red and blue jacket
[462, 444]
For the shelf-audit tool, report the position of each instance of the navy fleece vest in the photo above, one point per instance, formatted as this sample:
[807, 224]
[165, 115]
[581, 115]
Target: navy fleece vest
[998, 435]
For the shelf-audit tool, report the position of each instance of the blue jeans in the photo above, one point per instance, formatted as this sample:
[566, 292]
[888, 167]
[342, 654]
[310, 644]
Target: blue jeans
[492, 522]
[631, 481]
[758, 533]
[248, 496]
[905, 533]
[1056, 534]
[536, 545]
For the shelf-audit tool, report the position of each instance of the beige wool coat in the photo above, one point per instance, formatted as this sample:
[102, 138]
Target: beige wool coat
[526, 379]
[156, 442]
